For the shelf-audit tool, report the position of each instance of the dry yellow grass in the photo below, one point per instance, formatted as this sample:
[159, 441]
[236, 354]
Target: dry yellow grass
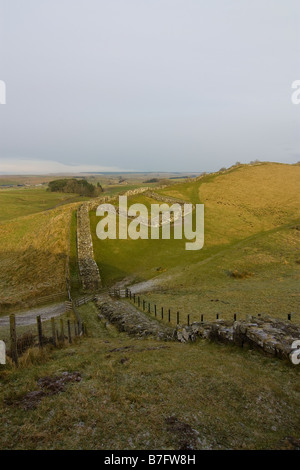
[33, 251]
[250, 199]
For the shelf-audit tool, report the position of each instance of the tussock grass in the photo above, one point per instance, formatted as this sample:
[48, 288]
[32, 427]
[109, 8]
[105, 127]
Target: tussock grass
[231, 398]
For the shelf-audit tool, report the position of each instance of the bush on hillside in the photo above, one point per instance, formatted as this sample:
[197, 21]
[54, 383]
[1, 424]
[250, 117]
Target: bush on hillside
[81, 187]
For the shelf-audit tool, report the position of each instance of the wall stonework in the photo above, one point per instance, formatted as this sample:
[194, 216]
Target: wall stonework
[127, 318]
[271, 336]
[166, 199]
[88, 268]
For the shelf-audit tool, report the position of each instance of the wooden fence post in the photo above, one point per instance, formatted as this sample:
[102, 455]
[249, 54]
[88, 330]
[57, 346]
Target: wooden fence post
[202, 316]
[69, 332]
[177, 318]
[62, 333]
[148, 307]
[53, 331]
[39, 328]
[188, 320]
[13, 339]
[155, 309]
[162, 313]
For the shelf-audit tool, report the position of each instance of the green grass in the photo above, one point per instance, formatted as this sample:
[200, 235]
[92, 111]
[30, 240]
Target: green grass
[232, 398]
[249, 212]
[142, 259]
[33, 256]
[114, 190]
[32, 329]
[206, 288]
[21, 202]
[74, 269]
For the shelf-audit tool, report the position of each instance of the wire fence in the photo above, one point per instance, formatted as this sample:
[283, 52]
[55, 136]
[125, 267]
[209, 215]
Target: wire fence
[56, 331]
[174, 316]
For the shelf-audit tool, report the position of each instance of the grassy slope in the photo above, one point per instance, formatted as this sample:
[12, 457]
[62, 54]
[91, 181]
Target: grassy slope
[34, 231]
[33, 253]
[20, 202]
[232, 398]
[248, 215]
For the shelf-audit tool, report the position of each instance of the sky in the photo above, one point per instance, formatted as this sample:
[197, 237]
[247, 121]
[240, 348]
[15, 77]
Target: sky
[147, 85]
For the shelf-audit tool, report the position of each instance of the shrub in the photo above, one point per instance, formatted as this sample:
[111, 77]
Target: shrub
[81, 187]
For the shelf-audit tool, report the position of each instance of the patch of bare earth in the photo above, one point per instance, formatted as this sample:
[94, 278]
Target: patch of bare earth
[48, 386]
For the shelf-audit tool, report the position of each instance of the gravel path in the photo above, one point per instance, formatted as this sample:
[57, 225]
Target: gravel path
[28, 317]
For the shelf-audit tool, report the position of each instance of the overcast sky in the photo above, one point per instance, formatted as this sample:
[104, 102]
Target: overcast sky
[148, 85]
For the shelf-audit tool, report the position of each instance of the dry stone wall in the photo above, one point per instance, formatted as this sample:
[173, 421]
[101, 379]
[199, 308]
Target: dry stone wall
[271, 336]
[127, 318]
[166, 199]
[88, 268]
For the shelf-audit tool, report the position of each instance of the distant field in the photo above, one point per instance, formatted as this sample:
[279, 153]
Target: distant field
[20, 202]
[249, 215]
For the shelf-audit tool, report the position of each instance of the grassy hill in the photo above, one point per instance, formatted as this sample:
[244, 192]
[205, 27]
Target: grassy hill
[34, 243]
[146, 394]
[33, 251]
[250, 260]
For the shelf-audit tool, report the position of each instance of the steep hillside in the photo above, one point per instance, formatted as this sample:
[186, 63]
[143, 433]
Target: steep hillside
[250, 262]
[33, 253]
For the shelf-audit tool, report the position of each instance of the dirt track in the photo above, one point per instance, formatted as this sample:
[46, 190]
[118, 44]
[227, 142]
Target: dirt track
[28, 317]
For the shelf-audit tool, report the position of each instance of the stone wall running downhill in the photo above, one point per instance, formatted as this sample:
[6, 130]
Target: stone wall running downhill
[89, 272]
[127, 318]
[271, 336]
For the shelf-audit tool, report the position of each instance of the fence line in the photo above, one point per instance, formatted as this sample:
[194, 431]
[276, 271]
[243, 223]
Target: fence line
[84, 300]
[61, 333]
[160, 312]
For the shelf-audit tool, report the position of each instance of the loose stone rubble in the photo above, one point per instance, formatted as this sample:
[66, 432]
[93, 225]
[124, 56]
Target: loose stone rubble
[273, 337]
